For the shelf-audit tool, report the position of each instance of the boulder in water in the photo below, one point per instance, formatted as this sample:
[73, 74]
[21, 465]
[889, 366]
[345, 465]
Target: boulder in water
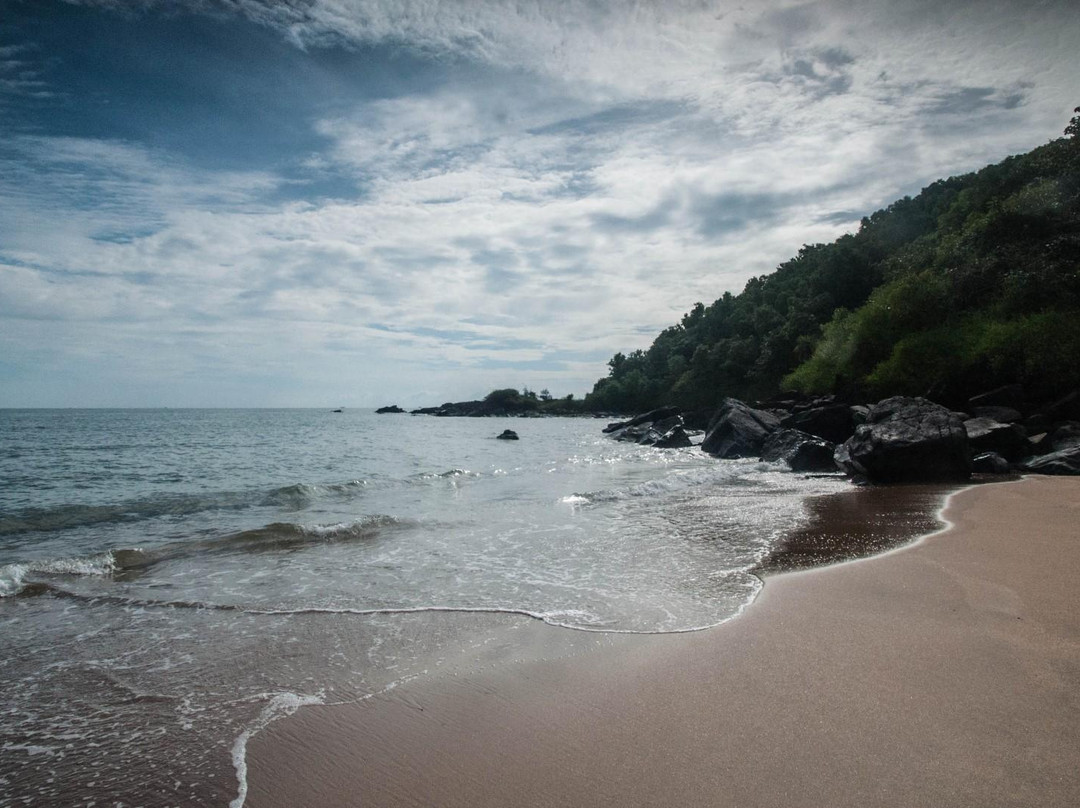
[507, 434]
[738, 430]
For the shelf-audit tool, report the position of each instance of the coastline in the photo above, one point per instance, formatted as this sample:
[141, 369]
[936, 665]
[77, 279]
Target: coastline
[940, 673]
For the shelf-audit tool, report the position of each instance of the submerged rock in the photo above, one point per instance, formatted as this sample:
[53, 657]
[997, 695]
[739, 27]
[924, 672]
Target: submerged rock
[907, 439]
[507, 434]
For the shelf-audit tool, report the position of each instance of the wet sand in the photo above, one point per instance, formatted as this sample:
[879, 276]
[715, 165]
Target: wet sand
[945, 673]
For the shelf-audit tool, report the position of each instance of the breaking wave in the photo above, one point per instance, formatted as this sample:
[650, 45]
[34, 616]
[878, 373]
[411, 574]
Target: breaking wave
[16, 579]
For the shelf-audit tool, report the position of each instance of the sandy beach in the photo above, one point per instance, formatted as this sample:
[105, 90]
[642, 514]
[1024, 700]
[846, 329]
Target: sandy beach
[944, 673]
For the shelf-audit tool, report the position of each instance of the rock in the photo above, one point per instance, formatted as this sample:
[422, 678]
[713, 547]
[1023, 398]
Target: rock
[737, 430]
[990, 463]
[907, 439]
[1011, 395]
[507, 434]
[1065, 461]
[987, 435]
[675, 438]
[644, 418]
[831, 422]
[393, 408]
[860, 413]
[1066, 408]
[800, 450]
[1065, 436]
[1003, 415]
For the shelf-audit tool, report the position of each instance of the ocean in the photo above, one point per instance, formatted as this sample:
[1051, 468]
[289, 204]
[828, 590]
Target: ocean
[173, 580]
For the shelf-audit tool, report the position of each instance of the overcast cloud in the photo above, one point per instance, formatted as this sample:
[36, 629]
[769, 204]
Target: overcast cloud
[337, 202]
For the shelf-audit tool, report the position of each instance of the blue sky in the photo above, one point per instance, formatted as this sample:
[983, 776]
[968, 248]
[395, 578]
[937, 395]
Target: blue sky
[339, 202]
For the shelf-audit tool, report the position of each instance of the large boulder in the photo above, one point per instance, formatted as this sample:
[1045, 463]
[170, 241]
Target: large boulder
[800, 450]
[907, 439]
[738, 430]
[831, 422]
[987, 435]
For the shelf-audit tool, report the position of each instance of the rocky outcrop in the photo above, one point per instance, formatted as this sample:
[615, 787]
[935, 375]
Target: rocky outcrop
[1064, 461]
[987, 435]
[507, 434]
[907, 439]
[661, 428]
[738, 430]
[393, 408]
[800, 450]
[829, 421]
[643, 419]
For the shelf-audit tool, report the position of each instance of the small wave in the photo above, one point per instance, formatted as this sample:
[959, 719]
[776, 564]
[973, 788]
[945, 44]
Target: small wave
[732, 473]
[65, 517]
[303, 495]
[15, 578]
[452, 474]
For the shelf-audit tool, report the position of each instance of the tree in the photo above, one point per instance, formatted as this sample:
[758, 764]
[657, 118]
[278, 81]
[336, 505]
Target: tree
[1073, 129]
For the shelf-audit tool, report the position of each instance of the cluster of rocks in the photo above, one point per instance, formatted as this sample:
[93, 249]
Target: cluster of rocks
[898, 439]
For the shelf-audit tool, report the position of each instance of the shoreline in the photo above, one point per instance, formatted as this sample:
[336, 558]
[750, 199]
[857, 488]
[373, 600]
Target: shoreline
[940, 673]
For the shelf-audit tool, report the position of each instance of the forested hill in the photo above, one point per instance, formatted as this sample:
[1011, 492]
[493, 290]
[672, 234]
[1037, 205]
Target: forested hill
[972, 284]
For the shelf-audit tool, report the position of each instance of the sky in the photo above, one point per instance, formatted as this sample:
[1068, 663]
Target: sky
[367, 202]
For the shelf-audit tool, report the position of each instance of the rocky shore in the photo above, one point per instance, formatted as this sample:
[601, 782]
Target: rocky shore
[898, 439]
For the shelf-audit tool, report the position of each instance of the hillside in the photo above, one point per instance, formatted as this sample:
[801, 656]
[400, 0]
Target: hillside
[971, 284]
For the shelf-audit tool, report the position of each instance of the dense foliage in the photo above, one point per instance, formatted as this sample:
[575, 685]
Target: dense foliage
[971, 284]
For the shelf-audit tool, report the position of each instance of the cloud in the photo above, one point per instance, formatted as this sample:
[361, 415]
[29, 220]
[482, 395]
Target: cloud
[452, 197]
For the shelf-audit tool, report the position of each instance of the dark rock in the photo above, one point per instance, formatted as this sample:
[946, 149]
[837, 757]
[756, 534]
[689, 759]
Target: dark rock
[907, 439]
[987, 435]
[698, 419]
[831, 422]
[508, 434]
[800, 450]
[644, 418]
[632, 434]
[1034, 424]
[675, 438]
[860, 413]
[1011, 395]
[738, 430]
[393, 408]
[1066, 461]
[1064, 436]
[990, 463]
[1003, 415]
[1064, 409]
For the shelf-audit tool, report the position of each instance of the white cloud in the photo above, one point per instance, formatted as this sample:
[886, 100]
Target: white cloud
[627, 161]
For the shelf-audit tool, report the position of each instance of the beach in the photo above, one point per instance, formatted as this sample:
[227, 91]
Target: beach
[942, 673]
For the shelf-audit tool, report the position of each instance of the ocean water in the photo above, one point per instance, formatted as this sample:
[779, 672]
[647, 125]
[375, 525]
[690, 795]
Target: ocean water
[173, 580]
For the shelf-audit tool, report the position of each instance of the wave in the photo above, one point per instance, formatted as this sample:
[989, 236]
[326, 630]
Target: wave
[295, 497]
[69, 516]
[303, 495]
[24, 578]
[575, 619]
[732, 473]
